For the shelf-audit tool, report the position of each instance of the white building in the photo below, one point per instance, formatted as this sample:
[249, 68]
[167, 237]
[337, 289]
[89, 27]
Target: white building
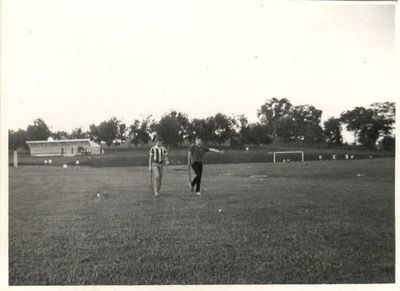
[71, 147]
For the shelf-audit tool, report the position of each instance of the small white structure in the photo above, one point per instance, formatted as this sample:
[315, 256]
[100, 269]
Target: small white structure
[346, 157]
[333, 157]
[71, 147]
[320, 157]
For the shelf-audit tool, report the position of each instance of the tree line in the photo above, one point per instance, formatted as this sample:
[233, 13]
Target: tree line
[278, 120]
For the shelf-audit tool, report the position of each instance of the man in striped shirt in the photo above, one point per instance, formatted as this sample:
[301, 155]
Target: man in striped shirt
[157, 159]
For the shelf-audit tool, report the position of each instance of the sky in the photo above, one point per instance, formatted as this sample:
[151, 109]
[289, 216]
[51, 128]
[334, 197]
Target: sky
[75, 63]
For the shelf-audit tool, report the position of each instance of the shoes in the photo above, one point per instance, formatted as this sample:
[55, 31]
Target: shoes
[198, 193]
[191, 188]
[156, 193]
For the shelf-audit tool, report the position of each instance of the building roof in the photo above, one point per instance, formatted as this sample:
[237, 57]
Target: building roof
[62, 141]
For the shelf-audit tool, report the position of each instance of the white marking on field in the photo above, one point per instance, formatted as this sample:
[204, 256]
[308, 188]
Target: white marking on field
[227, 174]
[258, 176]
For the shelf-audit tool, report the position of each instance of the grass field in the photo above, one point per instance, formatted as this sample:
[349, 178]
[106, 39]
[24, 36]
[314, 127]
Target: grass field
[116, 157]
[317, 222]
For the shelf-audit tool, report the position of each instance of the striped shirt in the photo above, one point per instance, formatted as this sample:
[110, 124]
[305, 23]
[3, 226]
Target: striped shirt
[158, 154]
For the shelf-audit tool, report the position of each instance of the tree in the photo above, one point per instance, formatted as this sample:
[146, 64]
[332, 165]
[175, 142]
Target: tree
[305, 122]
[173, 128]
[240, 136]
[122, 133]
[168, 129]
[17, 140]
[240, 123]
[139, 131]
[368, 124]
[60, 135]
[250, 133]
[389, 143]
[370, 132]
[108, 130]
[38, 131]
[286, 129]
[385, 110]
[77, 133]
[332, 131]
[355, 119]
[94, 133]
[224, 128]
[133, 132]
[183, 122]
[273, 111]
[290, 122]
[259, 134]
[200, 128]
[209, 130]
[312, 133]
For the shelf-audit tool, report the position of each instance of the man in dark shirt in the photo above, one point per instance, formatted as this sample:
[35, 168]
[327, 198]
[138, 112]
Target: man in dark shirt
[195, 160]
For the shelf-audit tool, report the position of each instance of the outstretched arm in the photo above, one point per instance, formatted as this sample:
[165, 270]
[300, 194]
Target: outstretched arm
[150, 162]
[189, 158]
[216, 151]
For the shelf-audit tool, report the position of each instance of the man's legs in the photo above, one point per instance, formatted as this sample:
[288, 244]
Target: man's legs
[160, 169]
[156, 177]
[198, 170]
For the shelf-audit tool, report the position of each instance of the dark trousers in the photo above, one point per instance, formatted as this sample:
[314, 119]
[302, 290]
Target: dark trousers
[198, 170]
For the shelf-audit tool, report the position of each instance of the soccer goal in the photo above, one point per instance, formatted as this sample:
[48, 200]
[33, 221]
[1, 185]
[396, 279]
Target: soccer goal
[289, 152]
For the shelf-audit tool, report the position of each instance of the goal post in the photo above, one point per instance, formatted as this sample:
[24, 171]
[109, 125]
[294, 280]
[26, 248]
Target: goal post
[289, 152]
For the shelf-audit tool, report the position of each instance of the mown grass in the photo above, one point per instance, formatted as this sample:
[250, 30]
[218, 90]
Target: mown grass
[304, 223]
